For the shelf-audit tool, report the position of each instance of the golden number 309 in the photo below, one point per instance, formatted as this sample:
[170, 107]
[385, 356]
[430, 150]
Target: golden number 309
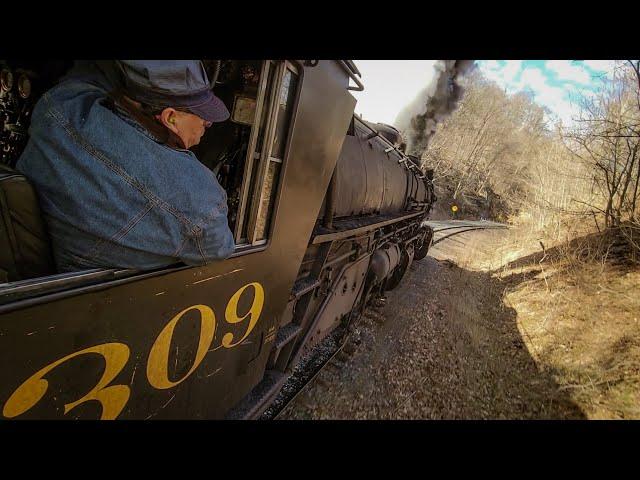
[113, 398]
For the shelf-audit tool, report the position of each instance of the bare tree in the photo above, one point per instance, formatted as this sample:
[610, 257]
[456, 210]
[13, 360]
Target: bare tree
[607, 139]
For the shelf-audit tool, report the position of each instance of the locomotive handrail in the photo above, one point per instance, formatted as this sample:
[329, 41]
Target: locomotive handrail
[405, 158]
[349, 68]
[353, 67]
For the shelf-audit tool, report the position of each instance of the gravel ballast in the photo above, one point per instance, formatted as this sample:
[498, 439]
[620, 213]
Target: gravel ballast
[444, 346]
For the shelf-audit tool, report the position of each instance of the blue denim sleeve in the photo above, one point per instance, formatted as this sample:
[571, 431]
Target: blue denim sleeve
[215, 242]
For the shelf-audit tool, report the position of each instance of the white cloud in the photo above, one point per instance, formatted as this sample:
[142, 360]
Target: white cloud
[511, 69]
[554, 98]
[502, 73]
[532, 78]
[493, 74]
[567, 70]
[600, 65]
[389, 85]
[491, 65]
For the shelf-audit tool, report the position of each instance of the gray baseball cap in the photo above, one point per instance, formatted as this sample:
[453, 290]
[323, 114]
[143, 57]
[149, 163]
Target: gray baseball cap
[173, 83]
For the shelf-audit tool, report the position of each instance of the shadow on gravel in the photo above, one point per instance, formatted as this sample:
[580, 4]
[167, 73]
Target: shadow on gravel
[475, 363]
[445, 346]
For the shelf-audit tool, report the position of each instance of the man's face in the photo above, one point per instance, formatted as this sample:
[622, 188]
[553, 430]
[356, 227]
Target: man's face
[187, 126]
[190, 128]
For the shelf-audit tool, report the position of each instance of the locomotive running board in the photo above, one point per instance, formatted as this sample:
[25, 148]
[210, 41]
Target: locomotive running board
[356, 227]
[259, 398]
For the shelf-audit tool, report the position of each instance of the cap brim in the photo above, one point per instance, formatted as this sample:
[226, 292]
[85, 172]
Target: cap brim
[213, 110]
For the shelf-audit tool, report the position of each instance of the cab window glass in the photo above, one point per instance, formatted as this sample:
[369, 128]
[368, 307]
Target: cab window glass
[285, 99]
[284, 112]
[261, 96]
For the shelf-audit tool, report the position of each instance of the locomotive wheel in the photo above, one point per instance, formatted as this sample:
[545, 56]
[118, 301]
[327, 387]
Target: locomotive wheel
[396, 277]
[423, 249]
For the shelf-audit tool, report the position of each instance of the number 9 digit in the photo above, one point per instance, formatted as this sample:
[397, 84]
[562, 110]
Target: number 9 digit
[231, 313]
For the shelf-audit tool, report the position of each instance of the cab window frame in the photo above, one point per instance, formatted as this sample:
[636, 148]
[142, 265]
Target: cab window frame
[268, 103]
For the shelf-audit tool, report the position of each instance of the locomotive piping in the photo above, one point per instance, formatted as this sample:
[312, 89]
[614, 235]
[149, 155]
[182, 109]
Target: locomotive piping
[331, 202]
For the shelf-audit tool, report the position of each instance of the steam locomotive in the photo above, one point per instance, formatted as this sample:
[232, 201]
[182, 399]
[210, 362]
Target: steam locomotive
[327, 213]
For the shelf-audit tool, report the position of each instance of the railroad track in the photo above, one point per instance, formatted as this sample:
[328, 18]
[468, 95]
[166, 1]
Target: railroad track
[305, 373]
[324, 354]
[456, 227]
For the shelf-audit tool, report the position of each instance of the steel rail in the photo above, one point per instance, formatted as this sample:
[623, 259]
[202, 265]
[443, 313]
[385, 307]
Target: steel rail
[435, 242]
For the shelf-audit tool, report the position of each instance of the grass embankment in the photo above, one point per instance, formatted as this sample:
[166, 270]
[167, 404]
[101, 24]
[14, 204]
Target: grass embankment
[578, 311]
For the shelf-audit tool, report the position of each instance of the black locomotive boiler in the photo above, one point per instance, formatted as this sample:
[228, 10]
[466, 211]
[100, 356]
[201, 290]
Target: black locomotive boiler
[327, 213]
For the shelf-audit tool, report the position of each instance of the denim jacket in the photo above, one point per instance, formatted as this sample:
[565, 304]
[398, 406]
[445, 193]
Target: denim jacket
[112, 196]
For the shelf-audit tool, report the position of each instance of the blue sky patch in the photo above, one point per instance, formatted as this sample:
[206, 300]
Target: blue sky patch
[555, 84]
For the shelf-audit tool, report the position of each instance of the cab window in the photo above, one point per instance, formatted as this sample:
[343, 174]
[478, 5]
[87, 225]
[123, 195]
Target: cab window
[267, 153]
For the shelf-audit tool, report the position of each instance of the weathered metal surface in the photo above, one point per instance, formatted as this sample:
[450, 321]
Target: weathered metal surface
[174, 344]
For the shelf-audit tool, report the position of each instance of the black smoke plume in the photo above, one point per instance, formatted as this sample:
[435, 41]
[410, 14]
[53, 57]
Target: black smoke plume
[418, 120]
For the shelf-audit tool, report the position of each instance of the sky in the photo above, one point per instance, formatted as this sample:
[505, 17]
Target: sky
[392, 84]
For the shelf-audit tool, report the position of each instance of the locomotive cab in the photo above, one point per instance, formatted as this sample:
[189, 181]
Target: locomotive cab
[246, 153]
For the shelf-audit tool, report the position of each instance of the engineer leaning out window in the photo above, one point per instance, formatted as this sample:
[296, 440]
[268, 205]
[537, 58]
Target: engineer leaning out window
[109, 157]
